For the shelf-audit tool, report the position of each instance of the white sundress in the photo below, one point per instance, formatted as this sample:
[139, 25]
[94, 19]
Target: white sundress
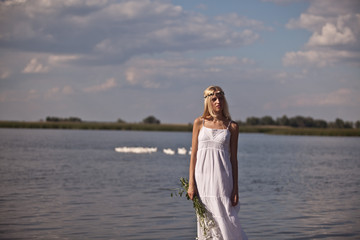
[213, 176]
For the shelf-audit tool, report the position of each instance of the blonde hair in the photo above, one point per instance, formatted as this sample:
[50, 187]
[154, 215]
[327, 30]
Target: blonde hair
[208, 110]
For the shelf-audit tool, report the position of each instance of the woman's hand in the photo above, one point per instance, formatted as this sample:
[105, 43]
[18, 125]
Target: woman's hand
[234, 197]
[191, 192]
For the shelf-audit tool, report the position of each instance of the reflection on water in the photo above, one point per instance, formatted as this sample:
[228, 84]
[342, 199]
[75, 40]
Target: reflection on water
[58, 184]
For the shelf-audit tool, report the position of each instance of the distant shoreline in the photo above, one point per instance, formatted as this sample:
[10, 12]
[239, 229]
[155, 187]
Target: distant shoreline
[178, 128]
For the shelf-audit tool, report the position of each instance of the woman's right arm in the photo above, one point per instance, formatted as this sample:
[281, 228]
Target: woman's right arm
[194, 146]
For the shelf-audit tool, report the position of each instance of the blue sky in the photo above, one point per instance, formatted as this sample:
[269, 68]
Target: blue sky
[103, 60]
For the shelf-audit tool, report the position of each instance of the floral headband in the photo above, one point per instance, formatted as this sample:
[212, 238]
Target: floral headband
[215, 93]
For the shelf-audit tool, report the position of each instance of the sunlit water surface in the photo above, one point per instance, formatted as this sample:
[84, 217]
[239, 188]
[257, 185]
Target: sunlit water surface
[70, 184]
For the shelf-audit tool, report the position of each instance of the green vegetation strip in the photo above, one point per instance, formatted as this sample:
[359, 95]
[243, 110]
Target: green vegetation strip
[97, 126]
[180, 128]
[346, 132]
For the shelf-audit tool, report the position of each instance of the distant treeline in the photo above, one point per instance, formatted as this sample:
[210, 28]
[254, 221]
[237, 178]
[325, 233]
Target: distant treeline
[58, 119]
[265, 129]
[147, 120]
[295, 122]
[298, 122]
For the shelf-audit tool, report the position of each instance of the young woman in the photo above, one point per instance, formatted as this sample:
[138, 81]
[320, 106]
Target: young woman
[213, 171]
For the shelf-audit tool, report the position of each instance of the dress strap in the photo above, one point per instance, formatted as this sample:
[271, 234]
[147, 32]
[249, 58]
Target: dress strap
[229, 124]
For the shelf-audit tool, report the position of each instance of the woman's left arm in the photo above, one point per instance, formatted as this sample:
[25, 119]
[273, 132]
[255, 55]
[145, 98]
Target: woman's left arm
[234, 130]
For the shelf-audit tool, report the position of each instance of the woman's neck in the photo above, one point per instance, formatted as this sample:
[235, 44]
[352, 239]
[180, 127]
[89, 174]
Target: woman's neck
[218, 118]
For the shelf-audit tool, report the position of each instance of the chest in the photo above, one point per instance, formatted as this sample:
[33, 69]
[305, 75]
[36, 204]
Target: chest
[221, 136]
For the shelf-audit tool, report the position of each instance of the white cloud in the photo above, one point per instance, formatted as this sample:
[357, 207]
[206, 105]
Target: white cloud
[67, 90]
[281, 1]
[23, 96]
[318, 58]
[143, 77]
[247, 61]
[340, 97]
[4, 74]
[35, 67]
[335, 27]
[332, 35]
[52, 93]
[58, 92]
[282, 75]
[228, 60]
[308, 21]
[343, 97]
[222, 60]
[241, 21]
[19, 96]
[314, 58]
[110, 83]
[60, 59]
[181, 71]
[111, 32]
[213, 70]
[153, 73]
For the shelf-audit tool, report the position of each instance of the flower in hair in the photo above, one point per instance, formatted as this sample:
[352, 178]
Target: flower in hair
[215, 93]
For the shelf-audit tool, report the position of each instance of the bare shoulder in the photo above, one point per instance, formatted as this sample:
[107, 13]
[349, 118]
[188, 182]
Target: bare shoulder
[197, 123]
[198, 120]
[234, 127]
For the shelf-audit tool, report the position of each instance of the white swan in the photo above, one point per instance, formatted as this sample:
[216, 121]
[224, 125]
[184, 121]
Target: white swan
[169, 151]
[181, 151]
[135, 150]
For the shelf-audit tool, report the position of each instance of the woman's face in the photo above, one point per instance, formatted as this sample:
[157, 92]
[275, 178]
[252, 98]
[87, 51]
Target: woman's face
[217, 101]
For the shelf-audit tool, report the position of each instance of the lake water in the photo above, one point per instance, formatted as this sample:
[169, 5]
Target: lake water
[72, 184]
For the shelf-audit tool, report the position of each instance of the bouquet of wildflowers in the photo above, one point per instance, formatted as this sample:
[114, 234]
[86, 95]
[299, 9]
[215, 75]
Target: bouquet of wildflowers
[203, 216]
